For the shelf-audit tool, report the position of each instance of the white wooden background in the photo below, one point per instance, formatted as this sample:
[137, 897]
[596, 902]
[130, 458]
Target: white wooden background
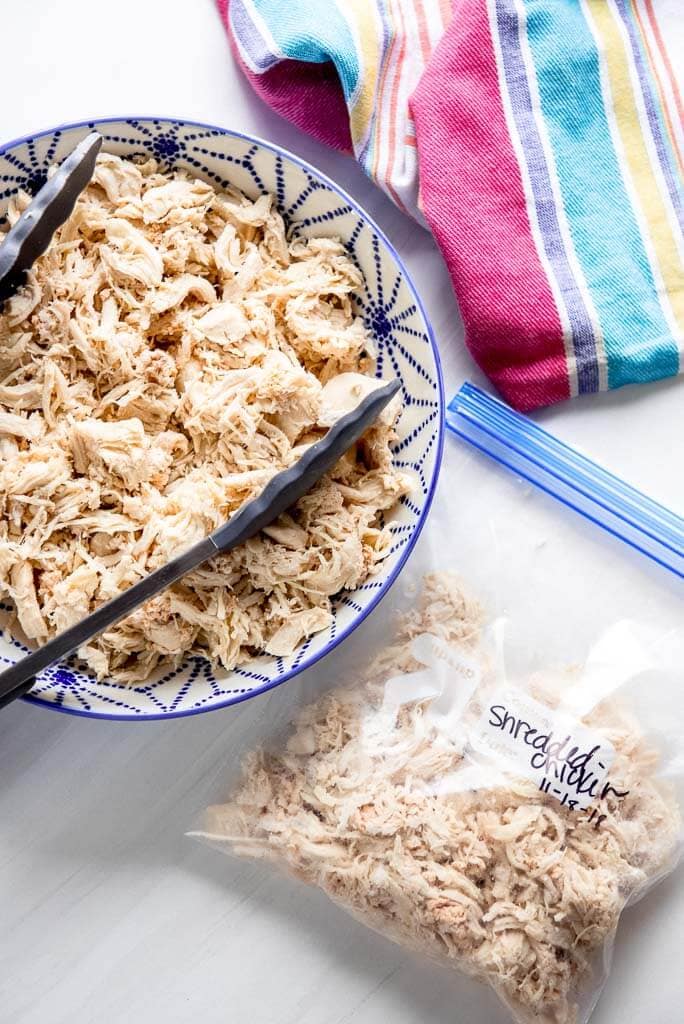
[108, 914]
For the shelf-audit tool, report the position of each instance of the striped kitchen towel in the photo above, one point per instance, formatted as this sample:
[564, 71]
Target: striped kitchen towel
[541, 141]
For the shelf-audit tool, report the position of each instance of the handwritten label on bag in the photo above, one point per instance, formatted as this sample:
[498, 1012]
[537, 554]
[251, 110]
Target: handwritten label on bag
[565, 758]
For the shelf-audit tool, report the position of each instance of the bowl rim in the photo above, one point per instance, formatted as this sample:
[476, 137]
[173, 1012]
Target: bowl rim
[304, 165]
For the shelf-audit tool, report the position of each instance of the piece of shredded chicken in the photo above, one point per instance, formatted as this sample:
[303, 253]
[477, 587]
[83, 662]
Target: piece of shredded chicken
[171, 351]
[494, 876]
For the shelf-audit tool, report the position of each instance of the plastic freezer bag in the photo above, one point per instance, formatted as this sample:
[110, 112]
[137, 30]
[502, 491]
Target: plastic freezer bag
[506, 775]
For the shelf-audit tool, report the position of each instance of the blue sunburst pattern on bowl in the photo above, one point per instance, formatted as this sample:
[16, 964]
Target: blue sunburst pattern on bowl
[406, 349]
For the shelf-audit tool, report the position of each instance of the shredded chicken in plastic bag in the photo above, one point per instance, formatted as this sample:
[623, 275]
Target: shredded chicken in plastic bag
[171, 351]
[389, 812]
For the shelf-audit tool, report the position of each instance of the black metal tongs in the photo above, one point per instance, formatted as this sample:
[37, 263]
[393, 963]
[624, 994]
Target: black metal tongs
[22, 245]
[281, 492]
[47, 211]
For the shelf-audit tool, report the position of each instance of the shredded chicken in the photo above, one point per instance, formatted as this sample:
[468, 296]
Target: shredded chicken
[394, 820]
[171, 351]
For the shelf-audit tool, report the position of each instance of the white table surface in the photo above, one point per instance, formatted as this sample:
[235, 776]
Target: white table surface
[108, 913]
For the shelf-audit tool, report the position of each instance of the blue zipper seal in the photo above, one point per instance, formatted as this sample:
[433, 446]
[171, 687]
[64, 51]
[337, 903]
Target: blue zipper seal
[531, 452]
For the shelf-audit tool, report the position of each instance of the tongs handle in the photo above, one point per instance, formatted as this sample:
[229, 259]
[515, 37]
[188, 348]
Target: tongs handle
[47, 211]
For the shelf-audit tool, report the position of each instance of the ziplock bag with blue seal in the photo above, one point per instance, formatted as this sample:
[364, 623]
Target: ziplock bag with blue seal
[506, 776]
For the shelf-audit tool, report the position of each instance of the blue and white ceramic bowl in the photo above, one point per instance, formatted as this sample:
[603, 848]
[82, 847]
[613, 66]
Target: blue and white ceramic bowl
[395, 318]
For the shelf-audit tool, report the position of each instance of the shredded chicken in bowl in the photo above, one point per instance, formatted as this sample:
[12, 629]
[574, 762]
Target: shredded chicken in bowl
[172, 350]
